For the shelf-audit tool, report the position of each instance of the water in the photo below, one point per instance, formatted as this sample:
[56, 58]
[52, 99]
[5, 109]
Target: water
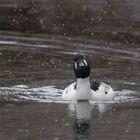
[37, 45]
[34, 71]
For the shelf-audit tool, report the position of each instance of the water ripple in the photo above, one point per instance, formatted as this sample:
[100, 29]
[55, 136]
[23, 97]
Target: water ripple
[24, 93]
[126, 96]
[49, 94]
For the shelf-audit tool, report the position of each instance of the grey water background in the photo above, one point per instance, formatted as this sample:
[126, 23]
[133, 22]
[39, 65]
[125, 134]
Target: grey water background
[38, 39]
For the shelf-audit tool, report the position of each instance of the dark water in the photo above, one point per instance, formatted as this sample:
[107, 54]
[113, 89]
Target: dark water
[36, 68]
[36, 51]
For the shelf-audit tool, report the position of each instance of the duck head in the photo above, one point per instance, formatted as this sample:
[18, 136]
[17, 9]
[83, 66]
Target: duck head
[81, 66]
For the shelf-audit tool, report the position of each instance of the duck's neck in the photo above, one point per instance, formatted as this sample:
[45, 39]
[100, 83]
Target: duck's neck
[83, 86]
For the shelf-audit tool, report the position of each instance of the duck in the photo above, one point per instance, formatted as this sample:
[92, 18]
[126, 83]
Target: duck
[84, 88]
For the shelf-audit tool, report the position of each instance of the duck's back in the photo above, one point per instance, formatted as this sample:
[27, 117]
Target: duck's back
[101, 91]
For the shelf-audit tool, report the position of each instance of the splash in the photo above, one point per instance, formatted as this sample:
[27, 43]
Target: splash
[52, 94]
[126, 96]
[21, 93]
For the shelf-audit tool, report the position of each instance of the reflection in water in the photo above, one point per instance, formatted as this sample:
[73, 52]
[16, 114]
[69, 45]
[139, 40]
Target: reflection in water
[82, 122]
[83, 115]
[83, 110]
[101, 107]
[82, 130]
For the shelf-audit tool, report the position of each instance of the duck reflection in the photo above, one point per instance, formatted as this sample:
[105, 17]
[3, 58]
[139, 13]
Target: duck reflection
[101, 107]
[83, 110]
[83, 115]
[82, 122]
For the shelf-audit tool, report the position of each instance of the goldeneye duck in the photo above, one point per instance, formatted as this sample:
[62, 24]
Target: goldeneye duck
[83, 88]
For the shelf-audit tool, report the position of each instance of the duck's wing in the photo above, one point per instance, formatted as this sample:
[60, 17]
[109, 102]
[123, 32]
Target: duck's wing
[101, 91]
[95, 85]
[100, 87]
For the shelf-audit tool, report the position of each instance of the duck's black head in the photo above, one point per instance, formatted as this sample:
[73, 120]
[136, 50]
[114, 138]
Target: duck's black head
[81, 66]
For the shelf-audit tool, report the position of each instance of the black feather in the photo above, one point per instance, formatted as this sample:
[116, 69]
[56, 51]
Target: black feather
[94, 85]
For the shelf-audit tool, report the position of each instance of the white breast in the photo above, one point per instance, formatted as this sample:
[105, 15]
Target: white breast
[70, 93]
[83, 92]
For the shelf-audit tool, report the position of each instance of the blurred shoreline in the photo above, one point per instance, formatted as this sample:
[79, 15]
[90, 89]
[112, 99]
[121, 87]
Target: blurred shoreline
[81, 17]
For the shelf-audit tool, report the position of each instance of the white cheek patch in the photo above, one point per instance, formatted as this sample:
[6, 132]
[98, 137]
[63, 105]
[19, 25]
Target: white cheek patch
[81, 64]
[75, 65]
[85, 62]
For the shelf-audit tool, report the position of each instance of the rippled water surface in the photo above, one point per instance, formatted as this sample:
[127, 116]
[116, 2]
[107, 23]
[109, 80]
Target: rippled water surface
[34, 71]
